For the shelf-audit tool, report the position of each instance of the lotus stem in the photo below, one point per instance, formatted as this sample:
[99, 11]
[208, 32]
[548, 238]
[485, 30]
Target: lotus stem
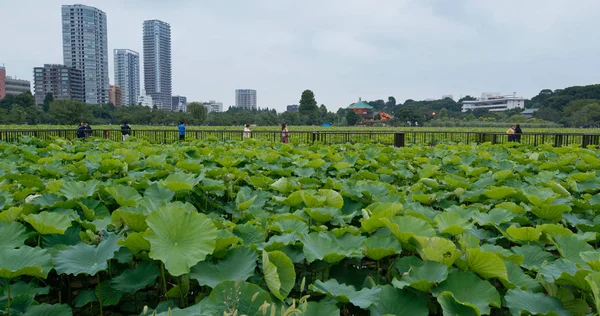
[39, 243]
[99, 298]
[8, 299]
[162, 274]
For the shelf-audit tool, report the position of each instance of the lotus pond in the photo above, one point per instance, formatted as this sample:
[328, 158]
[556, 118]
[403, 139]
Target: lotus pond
[229, 228]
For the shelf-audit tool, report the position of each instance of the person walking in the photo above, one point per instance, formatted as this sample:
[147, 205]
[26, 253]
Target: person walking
[518, 133]
[88, 130]
[511, 133]
[125, 130]
[285, 135]
[81, 130]
[247, 131]
[181, 128]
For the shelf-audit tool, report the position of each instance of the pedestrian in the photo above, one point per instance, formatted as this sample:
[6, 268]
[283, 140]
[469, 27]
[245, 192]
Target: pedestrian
[125, 130]
[81, 130]
[88, 129]
[247, 131]
[181, 128]
[511, 133]
[518, 133]
[285, 135]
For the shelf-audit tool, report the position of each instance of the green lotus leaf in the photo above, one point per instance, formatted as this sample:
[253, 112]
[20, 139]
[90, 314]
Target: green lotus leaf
[12, 235]
[10, 215]
[124, 195]
[554, 270]
[552, 212]
[133, 280]
[237, 265]
[342, 165]
[504, 253]
[379, 247]
[49, 222]
[500, 193]
[554, 230]
[347, 293]
[107, 295]
[133, 220]
[496, 216]
[332, 198]
[135, 242]
[405, 227]
[245, 198]
[451, 306]
[84, 258]
[323, 214]
[93, 209]
[75, 189]
[593, 279]
[398, 302]
[517, 278]
[279, 273]
[377, 211]
[592, 258]
[158, 193]
[558, 189]
[179, 238]
[225, 240]
[486, 264]
[467, 287]
[535, 256]
[452, 223]
[570, 247]
[283, 185]
[524, 234]
[260, 181]
[437, 249]
[423, 277]
[321, 308]
[540, 196]
[325, 246]
[519, 301]
[251, 235]
[246, 297]
[577, 280]
[29, 261]
[289, 225]
[85, 297]
[180, 182]
[69, 238]
[49, 310]
[423, 198]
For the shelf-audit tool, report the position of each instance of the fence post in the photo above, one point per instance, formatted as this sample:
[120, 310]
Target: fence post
[106, 133]
[314, 137]
[558, 140]
[398, 139]
[588, 139]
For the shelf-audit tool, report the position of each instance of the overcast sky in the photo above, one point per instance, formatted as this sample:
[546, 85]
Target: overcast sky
[340, 49]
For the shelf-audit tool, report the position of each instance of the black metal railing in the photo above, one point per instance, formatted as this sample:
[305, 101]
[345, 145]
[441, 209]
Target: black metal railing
[393, 138]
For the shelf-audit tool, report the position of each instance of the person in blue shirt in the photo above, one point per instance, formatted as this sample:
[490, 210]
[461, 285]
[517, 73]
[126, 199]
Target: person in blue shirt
[181, 131]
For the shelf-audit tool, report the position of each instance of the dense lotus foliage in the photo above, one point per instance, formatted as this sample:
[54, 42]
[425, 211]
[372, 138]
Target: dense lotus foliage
[251, 228]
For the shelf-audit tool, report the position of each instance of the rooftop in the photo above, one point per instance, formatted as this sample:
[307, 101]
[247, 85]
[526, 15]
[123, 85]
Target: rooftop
[360, 105]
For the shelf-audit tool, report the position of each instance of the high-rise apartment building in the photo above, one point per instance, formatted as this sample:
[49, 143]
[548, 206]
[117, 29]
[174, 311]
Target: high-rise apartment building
[115, 95]
[157, 62]
[179, 103]
[245, 98]
[85, 47]
[127, 74]
[59, 80]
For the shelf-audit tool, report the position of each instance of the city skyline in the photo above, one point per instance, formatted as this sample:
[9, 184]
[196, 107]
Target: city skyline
[339, 49]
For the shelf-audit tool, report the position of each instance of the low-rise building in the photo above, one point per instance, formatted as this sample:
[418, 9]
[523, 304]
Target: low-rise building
[62, 82]
[179, 103]
[115, 95]
[292, 108]
[495, 102]
[145, 100]
[213, 106]
[14, 86]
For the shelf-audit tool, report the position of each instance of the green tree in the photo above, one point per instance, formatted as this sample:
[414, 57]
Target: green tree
[443, 113]
[47, 100]
[391, 103]
[198, 111]
[308, 107]
[587, 116]
[352, 118]
[70, 112]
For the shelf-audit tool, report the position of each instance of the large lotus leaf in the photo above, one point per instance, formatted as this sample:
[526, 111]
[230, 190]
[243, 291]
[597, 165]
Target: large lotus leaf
[180, 182]
[244, 297]
[553, 212]
[332, 198]
[321, 308]
[49, 310]
[289, 225]
[325, 246]
[576, 280]
[496, 216]
[347, 293]
[108, 295]
[133, 220]
[12, 235]
[554, 230]
[423, 277]
[135, 242]
[504, 253]
[133, 280]
[379, 247]
[24, 261]
[159, 193]
[85, 297]
[592, 258]
[237, 265]
[5, 199]
[519, 301]
[593, 280]
[405, 227]
[554, 270]
[10, 215]
[437, 249]
[310, 198]
[467, 287]
[535, 256]
[398, 302]
[540, 196]
[524, 234]
[251, 235]
[47, 223]
[84, 258]
[93, 208]
[283, 185]
[371, 217]
[452, 223]
[452, 307]
[517, 278]
[124, 195]
[75, 189]
[225, 240]
[179, 238]
[245, 198]
[279, 273]
[570, 247]
[486, 264]
[323, 214]
[500, 193]
[69, 238]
